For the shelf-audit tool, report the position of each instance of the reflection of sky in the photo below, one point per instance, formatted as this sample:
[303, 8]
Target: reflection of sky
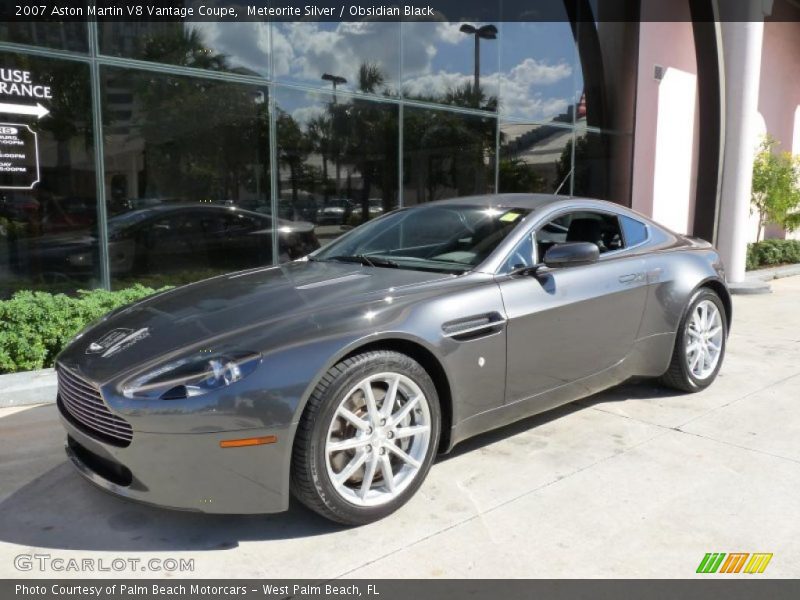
[246, 44]
[533, 64]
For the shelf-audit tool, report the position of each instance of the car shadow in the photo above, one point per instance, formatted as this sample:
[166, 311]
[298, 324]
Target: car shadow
[58, 509]
[635, 388]
[61, 510]
[46, 504]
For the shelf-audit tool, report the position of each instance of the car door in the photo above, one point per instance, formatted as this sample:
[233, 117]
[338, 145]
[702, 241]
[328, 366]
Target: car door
[171, 241]
[568, 324]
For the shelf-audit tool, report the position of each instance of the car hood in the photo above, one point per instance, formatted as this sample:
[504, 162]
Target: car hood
[225, 308]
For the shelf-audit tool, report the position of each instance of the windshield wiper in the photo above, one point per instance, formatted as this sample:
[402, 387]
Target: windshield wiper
[369, 261]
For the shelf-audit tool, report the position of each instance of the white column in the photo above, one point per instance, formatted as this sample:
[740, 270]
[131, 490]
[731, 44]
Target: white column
[742, 44]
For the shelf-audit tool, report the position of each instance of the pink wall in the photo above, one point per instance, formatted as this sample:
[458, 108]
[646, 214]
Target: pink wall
[671, 45]
[779, 91]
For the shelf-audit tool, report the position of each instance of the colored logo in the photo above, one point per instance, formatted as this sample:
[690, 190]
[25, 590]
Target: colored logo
[735, 562]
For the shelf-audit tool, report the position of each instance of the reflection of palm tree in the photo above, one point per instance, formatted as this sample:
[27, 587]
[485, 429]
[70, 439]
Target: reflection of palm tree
[319, 134]
[371, 141]
[370, 78]
[466, 95]
[199, 135]
[294, 148]
[185, 47]
[459, 95]
[448, 151]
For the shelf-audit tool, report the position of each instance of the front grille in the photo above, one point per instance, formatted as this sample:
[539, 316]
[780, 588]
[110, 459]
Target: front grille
[83, 403]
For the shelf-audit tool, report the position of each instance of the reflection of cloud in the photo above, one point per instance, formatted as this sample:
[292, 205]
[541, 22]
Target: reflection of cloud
[433, 56]
[305, 113]
[449, 32]
[533, 72]
[520, 88]
[307, 50]
[246, 44]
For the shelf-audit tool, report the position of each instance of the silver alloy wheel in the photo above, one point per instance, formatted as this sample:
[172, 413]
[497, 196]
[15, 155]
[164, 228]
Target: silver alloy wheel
[378, 439]
[704, 339]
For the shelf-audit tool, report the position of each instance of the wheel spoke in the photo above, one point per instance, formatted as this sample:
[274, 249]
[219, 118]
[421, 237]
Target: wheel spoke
[391, 398]
[407, 408]
[696, 360]
[399, 452]
[404, 432]
[369, 398]
[353, 419]
[353, 466]
[714, 331]
[388, 474]
[348, 444]
[369, 475]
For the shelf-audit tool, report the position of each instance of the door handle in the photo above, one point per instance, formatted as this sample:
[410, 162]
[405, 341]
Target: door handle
[627, 278]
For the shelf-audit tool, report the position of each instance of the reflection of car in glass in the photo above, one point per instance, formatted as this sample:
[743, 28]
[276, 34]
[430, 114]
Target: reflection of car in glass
[18, 207]
[175, 236]
[340, 376]
[298, 206]
[375, 207]
[68, 214]
[335, 212]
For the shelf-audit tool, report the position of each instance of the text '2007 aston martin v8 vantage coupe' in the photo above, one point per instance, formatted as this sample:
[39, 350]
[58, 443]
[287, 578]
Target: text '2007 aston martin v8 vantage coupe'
[339, 376]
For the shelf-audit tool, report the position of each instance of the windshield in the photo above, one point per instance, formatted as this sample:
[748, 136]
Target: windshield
[446, 238]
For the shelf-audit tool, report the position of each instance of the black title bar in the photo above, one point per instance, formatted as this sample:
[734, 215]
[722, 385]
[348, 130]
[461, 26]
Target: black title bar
[31, 11]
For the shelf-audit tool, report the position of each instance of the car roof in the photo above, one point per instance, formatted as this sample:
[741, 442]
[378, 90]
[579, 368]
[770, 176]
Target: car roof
[531, 202]
[182, 206]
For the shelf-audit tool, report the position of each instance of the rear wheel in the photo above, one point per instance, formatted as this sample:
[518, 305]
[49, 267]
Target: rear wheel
[367, 438]
[699, 344]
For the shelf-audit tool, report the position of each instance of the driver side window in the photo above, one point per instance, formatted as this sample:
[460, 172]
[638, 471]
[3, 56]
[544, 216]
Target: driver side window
[599, 228]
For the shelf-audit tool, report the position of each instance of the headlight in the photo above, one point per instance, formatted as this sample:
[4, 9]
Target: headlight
[192, 376]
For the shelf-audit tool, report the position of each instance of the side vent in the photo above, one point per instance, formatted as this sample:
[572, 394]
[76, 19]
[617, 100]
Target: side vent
[477, 326]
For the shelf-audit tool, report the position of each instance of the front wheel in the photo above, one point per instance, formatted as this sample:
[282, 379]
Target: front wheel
[367, 438]
[699, 344]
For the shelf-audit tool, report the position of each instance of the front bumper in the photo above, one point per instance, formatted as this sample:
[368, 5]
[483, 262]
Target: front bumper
[188, 471]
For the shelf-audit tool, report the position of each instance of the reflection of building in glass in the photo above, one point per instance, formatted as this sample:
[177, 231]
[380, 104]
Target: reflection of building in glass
[317, 127]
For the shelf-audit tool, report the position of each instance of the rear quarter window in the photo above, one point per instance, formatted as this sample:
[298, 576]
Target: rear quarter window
[635, 232]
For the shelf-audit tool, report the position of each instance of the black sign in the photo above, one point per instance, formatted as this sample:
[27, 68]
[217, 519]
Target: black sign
[19, 157]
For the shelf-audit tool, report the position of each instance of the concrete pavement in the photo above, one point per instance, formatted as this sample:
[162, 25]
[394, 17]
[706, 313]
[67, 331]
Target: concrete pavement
[635, 482]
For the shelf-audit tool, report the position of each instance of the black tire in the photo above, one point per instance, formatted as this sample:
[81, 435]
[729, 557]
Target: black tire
[310, 482]
[678, 375]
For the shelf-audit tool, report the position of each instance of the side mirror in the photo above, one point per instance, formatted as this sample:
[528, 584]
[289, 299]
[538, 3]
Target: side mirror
[571, 254]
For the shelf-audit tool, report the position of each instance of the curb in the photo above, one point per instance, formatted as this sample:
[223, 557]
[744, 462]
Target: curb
[750, 287]
[28, 387]
[773, 273]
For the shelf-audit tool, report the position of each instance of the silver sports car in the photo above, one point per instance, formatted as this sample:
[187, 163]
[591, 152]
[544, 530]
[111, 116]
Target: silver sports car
[338, 377]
